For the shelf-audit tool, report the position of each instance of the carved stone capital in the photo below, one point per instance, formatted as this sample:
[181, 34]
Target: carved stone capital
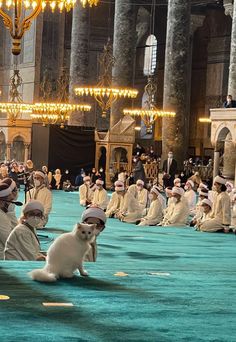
[196, 21]
[228, 6]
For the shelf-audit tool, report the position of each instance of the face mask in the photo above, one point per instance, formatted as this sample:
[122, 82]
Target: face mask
[228, 190]
[67, 172]
[182, 175]
[11, 207]
[34, 221]
[135, 160]
[174, 199]
[185, 187]
[170, 156]
[37, 183]
[101, 170]
[87, 182]
[150, 196]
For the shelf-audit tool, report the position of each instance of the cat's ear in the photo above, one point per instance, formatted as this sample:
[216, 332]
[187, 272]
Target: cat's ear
[78, 226]
[93, 226]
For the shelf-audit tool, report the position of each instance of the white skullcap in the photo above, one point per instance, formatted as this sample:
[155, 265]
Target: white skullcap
[155, 190]
[140, 181]
[203, 193]
[94, 212]
[99, 182]
[202, 185]
[177, 190]
[40, 173]
[189, 181]
[119, 186]
[220, 180]
[206, 201]
[86, 178]
[5, 189]
[177, 180]
[10, 182]
[33, 205]
[229, 185]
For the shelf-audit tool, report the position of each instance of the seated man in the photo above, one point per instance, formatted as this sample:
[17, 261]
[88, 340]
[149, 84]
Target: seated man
[129, 210]
[23, 243]
[41, 193]
[5, 220]
[142, 194]
[85, 192]
[93, 215]
[221, 211]
[177, 215]
[100, 198]
[206, 213]
[190, 196]
[203, 194]
[115, 201]
[154, 215]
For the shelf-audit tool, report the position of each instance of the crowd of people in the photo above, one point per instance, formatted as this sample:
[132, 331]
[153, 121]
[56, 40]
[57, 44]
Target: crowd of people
[180, 201]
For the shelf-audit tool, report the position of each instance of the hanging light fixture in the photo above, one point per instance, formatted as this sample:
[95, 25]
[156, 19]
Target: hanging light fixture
[17, 22]
[103, 92]
[149, 113]
[15, 107]
[49, 112]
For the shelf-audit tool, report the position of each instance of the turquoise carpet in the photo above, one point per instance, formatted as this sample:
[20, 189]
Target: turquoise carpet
[180, 286]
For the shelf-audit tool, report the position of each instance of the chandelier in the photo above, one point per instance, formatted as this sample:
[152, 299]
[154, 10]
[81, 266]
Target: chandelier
[17, 22]
[15, 108]
[149, 113]
[49, 112]
[103, 92]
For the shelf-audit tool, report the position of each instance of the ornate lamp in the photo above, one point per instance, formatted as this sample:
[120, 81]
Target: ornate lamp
[17, 22]
[149, 113]
[15, 107]
[103, 92]
[58, 112]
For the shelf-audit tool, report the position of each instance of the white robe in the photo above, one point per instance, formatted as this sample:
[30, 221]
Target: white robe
[45, 197]
[100, 198]
[85, 194]
[130, 208]
[204, 217]
[190, 196]
[233, 216]
[5, 230]
[113, 205]
[178, 214]
[154, 215]
[21, 244]
[143, 198]
[221, 214]
[12, 215]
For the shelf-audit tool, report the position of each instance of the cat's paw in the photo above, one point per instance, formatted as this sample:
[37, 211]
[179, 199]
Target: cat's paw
[84, 273]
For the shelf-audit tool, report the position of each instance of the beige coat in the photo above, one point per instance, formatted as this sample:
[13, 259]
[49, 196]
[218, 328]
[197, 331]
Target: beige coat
[21, 244]
[5, 230]
[113, 205]
[45, 197]
[154, 215]
[130, 208]
[100, 198]
[221, 214]
[178, 214]
[85, 194]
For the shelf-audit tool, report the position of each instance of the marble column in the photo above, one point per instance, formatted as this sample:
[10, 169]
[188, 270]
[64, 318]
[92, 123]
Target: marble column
[229, 157]
[124, 43]
[232, 63]
[216, 165]
[79, 59]
[176, 80]
[8, 154]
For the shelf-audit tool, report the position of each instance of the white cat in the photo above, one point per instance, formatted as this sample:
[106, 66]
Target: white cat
[66, 254]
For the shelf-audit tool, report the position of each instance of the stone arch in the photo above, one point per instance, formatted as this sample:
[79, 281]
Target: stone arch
[2, 146]
[102, 157]
[18, 148]
[119, 158]
[150, 56]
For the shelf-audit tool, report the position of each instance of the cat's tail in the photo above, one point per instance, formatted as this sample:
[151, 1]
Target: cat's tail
[42, 275]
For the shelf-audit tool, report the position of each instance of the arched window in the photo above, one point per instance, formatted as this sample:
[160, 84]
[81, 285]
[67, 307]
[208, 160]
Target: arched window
[150, 56]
